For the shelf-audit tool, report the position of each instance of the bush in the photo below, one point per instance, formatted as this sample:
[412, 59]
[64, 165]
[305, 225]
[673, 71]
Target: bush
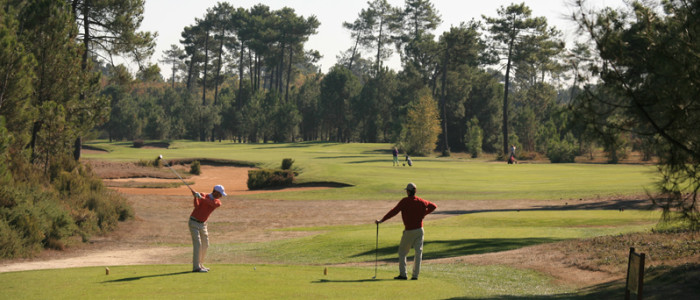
[287, 163]
[195, 168]
[474, 138]
[10, 241]
[34, 219]
[563, 151]
[36, 215]
[264, 178]
[138, 143]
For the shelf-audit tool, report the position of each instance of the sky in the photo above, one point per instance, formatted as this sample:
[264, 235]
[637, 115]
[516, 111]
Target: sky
[169, 17]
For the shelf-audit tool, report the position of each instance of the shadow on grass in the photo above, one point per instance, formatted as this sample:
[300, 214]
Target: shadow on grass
[369, 161]
[659, 283]
[640, 204]
[349, 281]
[453, 248]
[339, 156]
[127, 279]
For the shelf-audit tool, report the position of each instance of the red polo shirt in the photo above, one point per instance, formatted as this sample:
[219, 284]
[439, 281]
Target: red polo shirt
[413, 210]
[204, 206]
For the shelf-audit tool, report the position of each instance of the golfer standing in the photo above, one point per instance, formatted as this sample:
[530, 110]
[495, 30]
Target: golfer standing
[204, 205]
[395, 152]
[413, 210]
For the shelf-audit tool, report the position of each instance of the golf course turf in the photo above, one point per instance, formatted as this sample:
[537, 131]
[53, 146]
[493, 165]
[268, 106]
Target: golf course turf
[292, 268]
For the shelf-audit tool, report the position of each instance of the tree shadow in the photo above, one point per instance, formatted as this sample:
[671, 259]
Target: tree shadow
[453, 248]
[349, 281]
[127, 279]
[678, 282]
[620, 204]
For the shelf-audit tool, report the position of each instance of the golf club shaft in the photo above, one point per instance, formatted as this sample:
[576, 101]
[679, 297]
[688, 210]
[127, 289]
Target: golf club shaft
[376, 252]
[178, 176]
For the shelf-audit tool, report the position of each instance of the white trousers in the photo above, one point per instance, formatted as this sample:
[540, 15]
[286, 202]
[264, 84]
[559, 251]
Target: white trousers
[200, 243]
[411, 239]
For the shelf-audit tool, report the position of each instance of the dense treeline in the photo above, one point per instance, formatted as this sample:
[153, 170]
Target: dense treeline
[49, 100]
[507, 80]
[245, 75]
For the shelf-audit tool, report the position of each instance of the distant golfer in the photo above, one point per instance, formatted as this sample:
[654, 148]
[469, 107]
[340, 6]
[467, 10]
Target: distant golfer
[204, 205]
[395, 152]
[413, 210]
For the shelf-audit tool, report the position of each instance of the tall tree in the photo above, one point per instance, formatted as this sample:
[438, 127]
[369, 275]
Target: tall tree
[62, 118]
[107, 28]
[650, 65]
[338, 87]
[461, 49]
[220, 17]
[16, 76]
[509, 31]
[383, 18]
[173, 56]
[415, 40]
[360, 32]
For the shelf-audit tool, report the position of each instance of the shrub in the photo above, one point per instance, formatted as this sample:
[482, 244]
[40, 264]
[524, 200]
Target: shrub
[195, 168]
[563, 151]
[10, 241]
[138, 143]
[264, 178]
[474, 138]
[287, 163]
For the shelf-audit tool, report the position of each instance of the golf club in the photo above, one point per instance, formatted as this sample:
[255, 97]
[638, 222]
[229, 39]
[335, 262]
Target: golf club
[178, 175]
[376, 249]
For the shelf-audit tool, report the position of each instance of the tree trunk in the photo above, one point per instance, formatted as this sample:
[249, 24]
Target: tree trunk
[289, 74]
[173, 78]
[505, 100]
[78, 144]
[354, 50]
[218, 69]
[206, 63]
[240, 77]
[446, 146]
[190, 73]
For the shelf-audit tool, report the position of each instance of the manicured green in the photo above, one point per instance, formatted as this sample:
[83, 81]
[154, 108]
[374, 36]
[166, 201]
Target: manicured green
[272, 282]
[368, 168]
[451, 237]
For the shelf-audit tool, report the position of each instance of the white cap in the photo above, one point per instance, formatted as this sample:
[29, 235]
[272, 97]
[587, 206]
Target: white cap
[220, 188]
[411, 187]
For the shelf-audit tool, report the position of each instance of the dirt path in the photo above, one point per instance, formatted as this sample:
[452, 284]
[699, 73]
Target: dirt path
[161, 220]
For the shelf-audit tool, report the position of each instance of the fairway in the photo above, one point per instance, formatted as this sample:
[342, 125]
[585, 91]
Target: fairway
[367, 168]
[450, 237]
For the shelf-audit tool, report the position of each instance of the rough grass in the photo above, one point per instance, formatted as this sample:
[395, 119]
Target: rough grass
[605, 253]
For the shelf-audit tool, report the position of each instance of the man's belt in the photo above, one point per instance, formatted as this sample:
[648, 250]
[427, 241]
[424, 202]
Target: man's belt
[194, 219]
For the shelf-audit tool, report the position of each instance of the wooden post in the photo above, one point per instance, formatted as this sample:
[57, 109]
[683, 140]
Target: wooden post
[635, 275]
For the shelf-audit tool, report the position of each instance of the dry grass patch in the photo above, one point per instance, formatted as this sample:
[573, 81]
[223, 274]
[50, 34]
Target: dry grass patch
[609, 253]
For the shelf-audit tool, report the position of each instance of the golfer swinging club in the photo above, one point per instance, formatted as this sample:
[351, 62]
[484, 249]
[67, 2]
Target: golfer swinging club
[204, 205]
[413, 210]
